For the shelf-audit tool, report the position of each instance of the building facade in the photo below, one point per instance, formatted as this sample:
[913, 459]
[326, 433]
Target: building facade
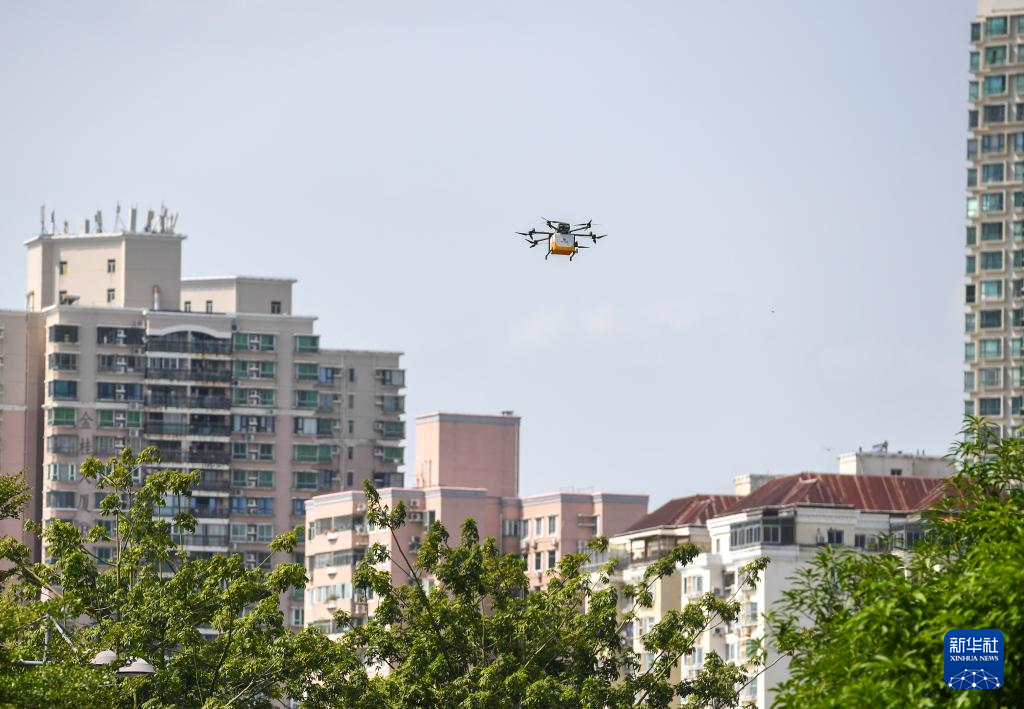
[116, 349]
[467, 465]
[994, 309]
[788, 519]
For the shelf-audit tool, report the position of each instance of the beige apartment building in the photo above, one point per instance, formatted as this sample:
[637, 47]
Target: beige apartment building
[467, 465]
[117, 349]
[786, 518]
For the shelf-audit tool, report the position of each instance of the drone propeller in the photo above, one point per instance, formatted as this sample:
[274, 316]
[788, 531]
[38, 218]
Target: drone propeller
[587, 225]
[533, 242]
[595, 237]
[526, 234]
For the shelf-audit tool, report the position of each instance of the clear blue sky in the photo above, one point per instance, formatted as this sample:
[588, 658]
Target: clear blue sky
[783, 184]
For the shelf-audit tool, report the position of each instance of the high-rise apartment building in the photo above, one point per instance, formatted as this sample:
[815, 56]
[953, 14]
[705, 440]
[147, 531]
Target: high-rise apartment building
[117, 349]
[994, 293]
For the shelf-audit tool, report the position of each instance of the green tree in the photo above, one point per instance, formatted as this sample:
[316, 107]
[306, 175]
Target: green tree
[212, 628]
[867, 629]
[476, 636]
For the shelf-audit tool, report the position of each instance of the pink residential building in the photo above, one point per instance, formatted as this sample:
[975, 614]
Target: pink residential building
[467, 465]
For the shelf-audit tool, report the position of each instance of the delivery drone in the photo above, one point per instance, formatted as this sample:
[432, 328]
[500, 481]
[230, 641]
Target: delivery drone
[562, 240]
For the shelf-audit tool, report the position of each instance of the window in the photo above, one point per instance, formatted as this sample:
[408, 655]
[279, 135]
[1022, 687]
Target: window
[306, 399]
[251, 369]
[975, 61]
[969, 294]
[975, 31]
[63, 444]
[1015, 405]
[991, 319]
[252, 397]
[991, 376]
[275, 307]
[252, 451]
[350, 453]
[61, 417]
[352, 424]
[971, 261]
[969, 352]
[305, 480]
[62, 472]
[538, 526]
[111, 418]
[992, 202]
[311, 453]
[552, 523]
[995, 26]
[110, 295]
[351, 375]
[110, 391]
[252, 342]
[972, 90]
[972, 177]
[209, 306]
[969, 322]
[120, 335]
[834, 538]
[991, 260]
[990, 406]
[993, 172]
[307, 343]
[252, 478]
[62, 268]
[306, 371]
[63, 361]
[993, 143]
[252, 505]
[298, 617]
[536, 560]
[968, 381]
[991, 349]
[991, 290]
[62, 390]
[111, 265]
[971, 236]
[968, 408]
[994, 113]
[972, 207]
[992, 231]
[188, 306]
[552, 562]
[252, 532]
[63, 333]
[995, 55]
[972, 119]
[392, 404]
[60, 499]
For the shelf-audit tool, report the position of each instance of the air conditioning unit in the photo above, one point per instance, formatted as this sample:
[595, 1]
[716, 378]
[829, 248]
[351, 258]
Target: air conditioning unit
[717, 591]
[253, 455]
[361, 507]
[414, 502]
[718, 630]
[554, 542]
[331, 570]
[378, 425]
[415, 516]
[359, 609]
[378, 452]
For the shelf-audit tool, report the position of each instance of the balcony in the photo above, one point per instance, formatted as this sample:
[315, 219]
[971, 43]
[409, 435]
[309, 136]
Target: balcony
[156, 344]
[195, 374]
[179, 401]
[215, 457]
[209, 429]
[169, 429]
[214, 480]
[202, 540]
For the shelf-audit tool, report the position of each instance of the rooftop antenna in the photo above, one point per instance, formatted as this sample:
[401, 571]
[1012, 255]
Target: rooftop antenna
[42, 219]
[163, 218]
[99, 221]
[65, 226]
[132, 220]
[117, 217]
[53, 221]
[149, 220]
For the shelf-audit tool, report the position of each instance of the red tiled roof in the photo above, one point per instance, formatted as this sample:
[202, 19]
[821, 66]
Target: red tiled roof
[695, 509]
[863, 492]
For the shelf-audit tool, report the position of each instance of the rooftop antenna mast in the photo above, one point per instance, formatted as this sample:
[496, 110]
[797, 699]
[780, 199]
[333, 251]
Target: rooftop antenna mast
[42, 219]
[99, 221]
[53, 222]
[118, 222]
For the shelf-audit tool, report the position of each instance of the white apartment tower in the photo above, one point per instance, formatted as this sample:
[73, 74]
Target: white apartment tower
[115, 348]
[994, 313]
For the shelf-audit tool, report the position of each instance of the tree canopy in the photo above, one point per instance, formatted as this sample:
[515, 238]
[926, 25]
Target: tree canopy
[215, 635]
[868, 629]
